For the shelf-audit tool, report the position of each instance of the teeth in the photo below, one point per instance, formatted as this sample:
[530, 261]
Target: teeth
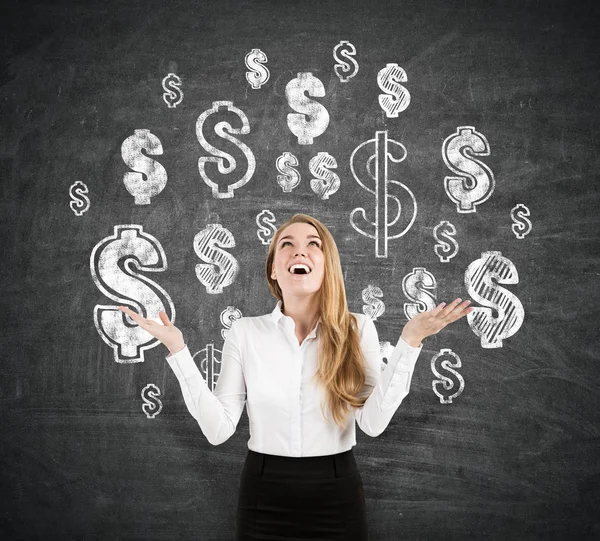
[299, 266]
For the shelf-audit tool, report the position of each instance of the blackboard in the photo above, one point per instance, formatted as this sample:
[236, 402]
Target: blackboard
[505, 90]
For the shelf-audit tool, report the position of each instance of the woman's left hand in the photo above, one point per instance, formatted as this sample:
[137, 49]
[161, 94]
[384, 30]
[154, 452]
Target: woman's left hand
[428, 323]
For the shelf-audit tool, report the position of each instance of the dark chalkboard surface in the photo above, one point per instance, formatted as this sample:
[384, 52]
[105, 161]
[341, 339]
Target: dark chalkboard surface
[488, 115]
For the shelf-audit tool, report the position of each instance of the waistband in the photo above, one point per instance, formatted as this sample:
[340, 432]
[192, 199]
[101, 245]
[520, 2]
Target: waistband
[315, 467]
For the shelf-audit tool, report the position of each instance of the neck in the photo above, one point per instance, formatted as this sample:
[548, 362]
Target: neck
[304, 311]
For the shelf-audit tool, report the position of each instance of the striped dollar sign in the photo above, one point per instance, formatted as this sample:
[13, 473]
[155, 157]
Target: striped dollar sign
[502, 314]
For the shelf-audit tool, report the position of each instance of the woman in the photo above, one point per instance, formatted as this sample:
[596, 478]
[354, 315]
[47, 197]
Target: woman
[306, 372]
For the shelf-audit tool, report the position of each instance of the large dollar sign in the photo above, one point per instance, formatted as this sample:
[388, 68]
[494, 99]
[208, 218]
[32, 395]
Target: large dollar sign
[375, 307]
[152, 405]
[373, 156]
[113, 265]
[446, 247]
[476, 183]
[151, 176]
[450, 383]
[172, 93]
[481, 280]
[259, 74]
[289, 177]
[396, 98]
[266, 226]
[345, 70]
[521, 225]
[327, 182]
[207, 245]
[314, 118]
[80, 202]
[223, 129]
[419, 286]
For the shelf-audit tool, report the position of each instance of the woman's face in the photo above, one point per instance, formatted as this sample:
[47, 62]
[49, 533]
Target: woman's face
[299, 243]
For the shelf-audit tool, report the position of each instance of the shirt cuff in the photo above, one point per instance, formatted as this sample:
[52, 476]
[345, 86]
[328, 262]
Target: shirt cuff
[183, 363]
[408, 355]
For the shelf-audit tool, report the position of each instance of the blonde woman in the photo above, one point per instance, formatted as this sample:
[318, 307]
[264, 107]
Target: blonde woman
[307, 373]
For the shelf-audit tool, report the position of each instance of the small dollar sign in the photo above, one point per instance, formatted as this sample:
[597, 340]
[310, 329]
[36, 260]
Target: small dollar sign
[375, 307]
[481, 280]
[172, 93]
[151, 177]
[314, 118]
[326, 182]
[476, 181]
[289, 177]
[152, 404]
[79, 201]
[224, 129]
[259, 74]
[114, 263]
[396, 98]
[450, 383]
[345, 70]
[228, 316]
[521, 226]
[266, 223]
[448, 248]
[207, 245]
[419, 286]
[373, 157]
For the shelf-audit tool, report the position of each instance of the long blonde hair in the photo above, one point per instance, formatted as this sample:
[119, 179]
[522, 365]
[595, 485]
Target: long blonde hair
[341, 362]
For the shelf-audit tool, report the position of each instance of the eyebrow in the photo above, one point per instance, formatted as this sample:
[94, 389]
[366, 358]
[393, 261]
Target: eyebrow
[291, 237]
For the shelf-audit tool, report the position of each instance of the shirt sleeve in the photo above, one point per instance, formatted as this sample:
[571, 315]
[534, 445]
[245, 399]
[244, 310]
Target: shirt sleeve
[218, 412]
[386, 389]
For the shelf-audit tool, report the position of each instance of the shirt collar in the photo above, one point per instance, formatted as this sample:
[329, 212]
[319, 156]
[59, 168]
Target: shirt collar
[277, 315]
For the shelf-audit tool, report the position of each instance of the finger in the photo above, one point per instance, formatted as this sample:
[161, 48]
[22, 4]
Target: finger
[461, 310]
[136, 317]
[446, 311]
[164, 318]
[437, 309]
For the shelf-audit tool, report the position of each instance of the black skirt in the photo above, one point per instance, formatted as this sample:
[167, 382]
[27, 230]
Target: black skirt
[289, 498]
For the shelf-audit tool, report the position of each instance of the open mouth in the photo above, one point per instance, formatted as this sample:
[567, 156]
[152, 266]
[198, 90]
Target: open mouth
[299, 270]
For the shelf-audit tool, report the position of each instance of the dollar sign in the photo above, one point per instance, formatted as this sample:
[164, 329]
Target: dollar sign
[172, 93]
[151, 177]
[419, 286]
[152, 404]
[289, 178]
[522, 225]
[266, 223]
[375, 307]
[315, 118]
[113, 265]
[396, 98]
[228, 316]
[209, 364]
[223, 129]
[327, 182]
[476, 183]
[450, 383]
[207, 245]
[374, 155]
[343, 69]
[79, 201]
[445, 249]
[481, 280]
[259, 74]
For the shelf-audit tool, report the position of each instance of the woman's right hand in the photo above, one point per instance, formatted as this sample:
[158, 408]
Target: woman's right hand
[167, 333]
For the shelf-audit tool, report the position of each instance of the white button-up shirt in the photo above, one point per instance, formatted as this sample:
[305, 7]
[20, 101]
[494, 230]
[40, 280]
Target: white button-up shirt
[264, 366]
